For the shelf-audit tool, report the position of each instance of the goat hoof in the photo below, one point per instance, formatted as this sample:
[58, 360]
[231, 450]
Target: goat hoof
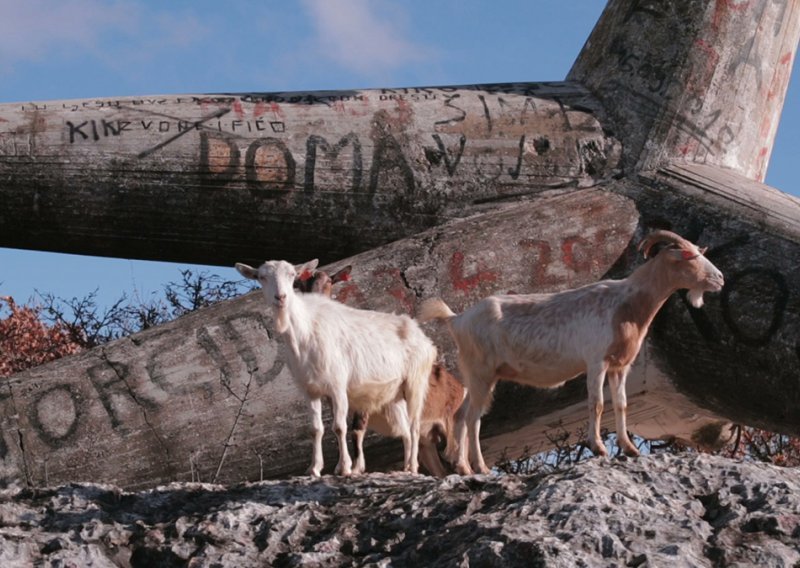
[462, 469]
[343, 471]
[313, 472]
[631, 452]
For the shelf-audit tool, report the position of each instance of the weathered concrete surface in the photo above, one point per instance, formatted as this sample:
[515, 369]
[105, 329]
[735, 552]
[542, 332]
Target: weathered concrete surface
[696, 80]
[243, 177]
[684, 510]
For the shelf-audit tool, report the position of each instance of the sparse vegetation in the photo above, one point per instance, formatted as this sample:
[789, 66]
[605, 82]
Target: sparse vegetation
[26, 341]
[90, 325]
[745, 443]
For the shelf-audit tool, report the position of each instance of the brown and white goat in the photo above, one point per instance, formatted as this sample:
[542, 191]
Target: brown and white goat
[320, 282]
[361, 359]
[445, 395]
[544, 340]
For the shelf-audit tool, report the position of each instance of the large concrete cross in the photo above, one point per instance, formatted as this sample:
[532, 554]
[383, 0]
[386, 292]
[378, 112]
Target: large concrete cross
[667, 119]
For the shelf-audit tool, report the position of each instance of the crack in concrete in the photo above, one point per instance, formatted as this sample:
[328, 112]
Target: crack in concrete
[408, 286]
[122, 377]
[20, 438]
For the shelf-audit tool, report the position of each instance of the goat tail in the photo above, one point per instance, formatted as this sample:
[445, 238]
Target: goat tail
[434, 308]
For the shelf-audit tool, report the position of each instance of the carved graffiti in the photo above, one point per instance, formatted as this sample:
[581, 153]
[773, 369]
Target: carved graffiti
[754, 303]
[759, 288]
[248, 351]
[241, 139]
[463, 282]
[440, 153]
[108, 379]
[269, 166]
[388, 155]
[331, 153]
[55, 413]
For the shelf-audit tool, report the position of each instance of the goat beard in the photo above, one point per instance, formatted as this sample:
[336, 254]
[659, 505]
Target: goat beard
[695, 298]
[281, 319]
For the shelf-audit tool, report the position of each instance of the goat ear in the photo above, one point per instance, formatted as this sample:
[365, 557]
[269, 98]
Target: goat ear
[247, 271]
[343, 275]
[309, 266]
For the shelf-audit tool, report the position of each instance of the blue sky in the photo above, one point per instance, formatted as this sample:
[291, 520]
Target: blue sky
[94, 48]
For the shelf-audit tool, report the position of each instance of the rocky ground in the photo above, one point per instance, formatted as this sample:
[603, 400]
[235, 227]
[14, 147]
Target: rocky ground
[688, 510]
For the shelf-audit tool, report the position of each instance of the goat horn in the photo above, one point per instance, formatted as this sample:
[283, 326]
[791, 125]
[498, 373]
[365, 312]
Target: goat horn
[661, 236]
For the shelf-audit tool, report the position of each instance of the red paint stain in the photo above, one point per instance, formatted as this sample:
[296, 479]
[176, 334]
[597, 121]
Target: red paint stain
[723, 8]
[708, 49]
[398, 289]
[763, 152]
[467, 283]
[350, 295]
[704, 68]
[575, 258]
[780, 78]
[541, 261]
[766, 125]
[259, 109]
[238, 109]
[276, 110]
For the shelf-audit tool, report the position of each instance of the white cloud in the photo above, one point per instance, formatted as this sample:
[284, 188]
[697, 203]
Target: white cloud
[353, 34]
[33, 29]
[111, 32]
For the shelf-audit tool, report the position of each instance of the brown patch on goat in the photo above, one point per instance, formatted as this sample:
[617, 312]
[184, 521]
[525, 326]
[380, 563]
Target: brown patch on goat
[445, 394]
[404, 328]
[629, 324]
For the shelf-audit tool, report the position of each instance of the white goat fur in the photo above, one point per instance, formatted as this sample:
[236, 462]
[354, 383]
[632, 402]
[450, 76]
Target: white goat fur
[373, 361]
[544, 340]
[445, 395]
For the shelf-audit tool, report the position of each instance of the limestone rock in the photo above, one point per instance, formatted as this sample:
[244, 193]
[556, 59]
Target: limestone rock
[687, 510]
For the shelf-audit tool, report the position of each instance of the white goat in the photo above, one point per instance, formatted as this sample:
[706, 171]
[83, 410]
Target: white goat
[544, 340]
[445, 395]
[378, 362]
